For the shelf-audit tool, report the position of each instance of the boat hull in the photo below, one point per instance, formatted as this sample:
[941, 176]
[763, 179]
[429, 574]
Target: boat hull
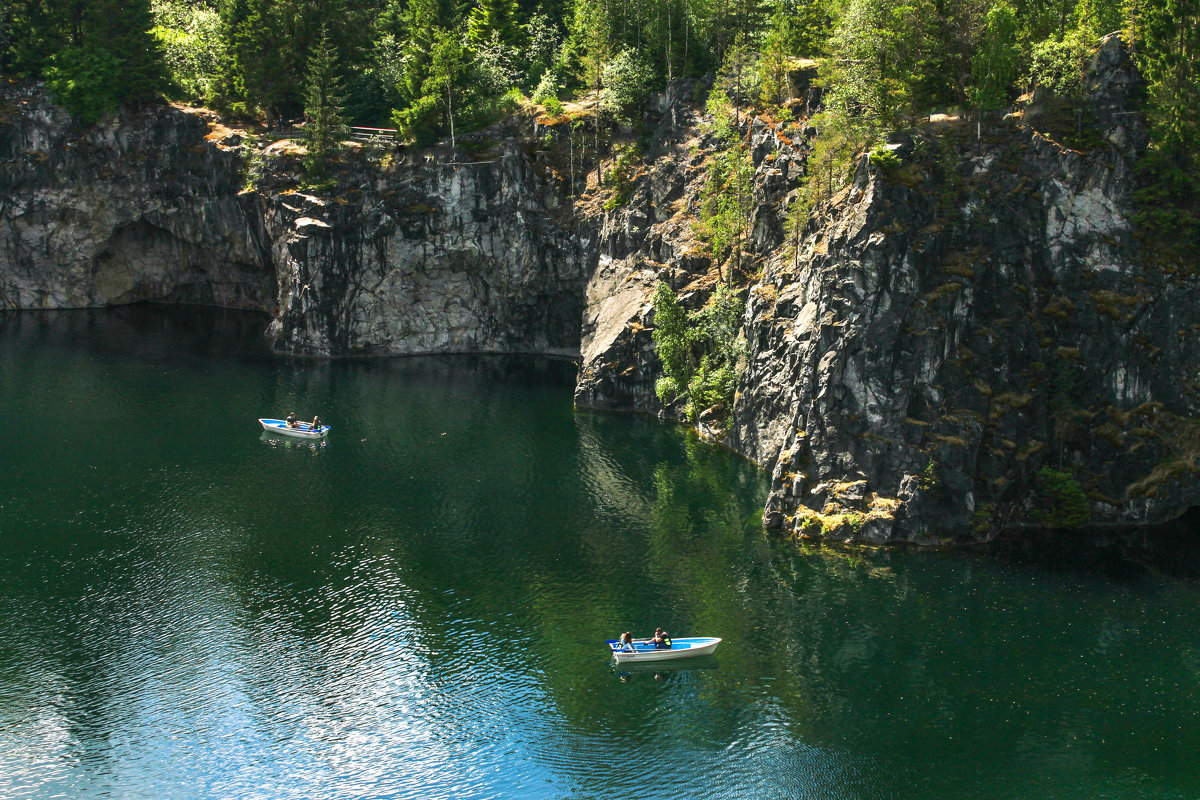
[680, 648]
[302, 430]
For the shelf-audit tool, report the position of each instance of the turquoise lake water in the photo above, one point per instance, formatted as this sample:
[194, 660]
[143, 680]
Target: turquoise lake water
[417, 607]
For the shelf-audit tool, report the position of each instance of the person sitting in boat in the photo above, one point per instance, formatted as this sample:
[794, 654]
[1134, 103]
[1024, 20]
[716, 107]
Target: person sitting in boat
[316, 423]
[627, 641]
[291, 419]
[661, 639]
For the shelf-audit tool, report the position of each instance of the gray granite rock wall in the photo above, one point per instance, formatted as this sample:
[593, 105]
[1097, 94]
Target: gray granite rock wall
[137, 208]
[437, 254]
[968, 344]
[439, 251]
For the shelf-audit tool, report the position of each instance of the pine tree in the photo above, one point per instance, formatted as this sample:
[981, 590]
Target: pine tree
[494, 16]
[773, 65]
[323, 97]
[255, 74]
[124, 26]
[421, 21]
[727, 201]
[449, 63]
[593, 34]
[738, 77]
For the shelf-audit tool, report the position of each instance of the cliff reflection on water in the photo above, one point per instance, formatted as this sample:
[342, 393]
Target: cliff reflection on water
[418, 608]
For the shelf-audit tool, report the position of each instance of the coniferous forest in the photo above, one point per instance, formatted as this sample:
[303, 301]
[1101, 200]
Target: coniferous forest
[431, 67]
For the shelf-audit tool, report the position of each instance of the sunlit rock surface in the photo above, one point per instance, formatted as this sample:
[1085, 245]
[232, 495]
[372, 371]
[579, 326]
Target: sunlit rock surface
[436, 251]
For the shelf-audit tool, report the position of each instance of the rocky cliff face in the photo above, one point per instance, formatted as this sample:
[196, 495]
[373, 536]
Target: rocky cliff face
[959, 343]
[140, 208]
[965, 343]
[653, 238]
[433, 251]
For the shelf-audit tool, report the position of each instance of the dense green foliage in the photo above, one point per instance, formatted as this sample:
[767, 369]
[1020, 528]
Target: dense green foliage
[190, 38]
[699, 350]
[93, 54]
[994, 65]
[437, 67]
[1059, 500]
[1166, 37]
[886, 60]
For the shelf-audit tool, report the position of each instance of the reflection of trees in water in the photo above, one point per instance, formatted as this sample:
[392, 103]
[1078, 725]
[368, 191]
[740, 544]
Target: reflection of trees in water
[668, 551]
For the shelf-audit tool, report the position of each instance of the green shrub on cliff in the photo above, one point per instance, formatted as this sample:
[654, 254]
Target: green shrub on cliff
[254, 163]
[1059, 500]
[626, 162]
[700, 350]
[84, 81]
[673, 340]
[885, 158]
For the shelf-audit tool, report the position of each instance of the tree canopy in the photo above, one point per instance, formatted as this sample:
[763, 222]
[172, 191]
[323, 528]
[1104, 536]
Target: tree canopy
[439, 67]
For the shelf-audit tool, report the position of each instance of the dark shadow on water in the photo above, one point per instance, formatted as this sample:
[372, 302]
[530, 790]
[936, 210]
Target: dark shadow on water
[151, 332]
[1123, 554]
[174, 334]
[471, 368]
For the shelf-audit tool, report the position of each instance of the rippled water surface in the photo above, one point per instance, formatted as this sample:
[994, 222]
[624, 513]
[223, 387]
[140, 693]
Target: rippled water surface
[416, 608]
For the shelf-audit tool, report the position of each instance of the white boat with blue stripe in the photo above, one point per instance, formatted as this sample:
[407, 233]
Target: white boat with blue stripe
[301, 430]
[643, 651]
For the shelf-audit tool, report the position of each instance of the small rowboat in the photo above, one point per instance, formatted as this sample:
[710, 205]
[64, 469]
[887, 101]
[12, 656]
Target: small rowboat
[302, 430]
[680, 648]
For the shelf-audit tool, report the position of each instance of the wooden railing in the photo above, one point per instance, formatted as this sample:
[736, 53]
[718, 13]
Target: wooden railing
[373, 134]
